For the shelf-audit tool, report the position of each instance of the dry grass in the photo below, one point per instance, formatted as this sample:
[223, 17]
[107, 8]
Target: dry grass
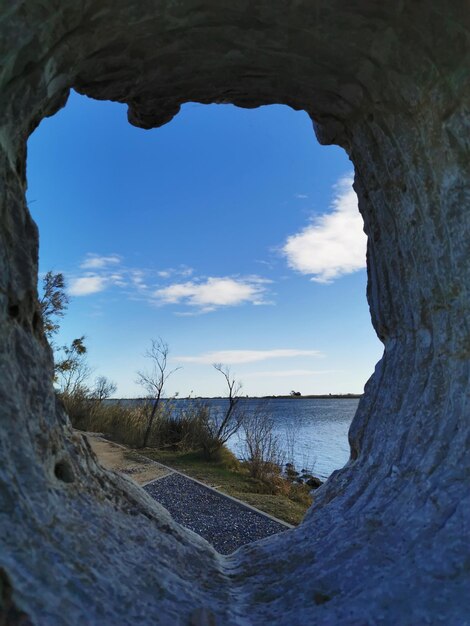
[119, 423]
[182, 430]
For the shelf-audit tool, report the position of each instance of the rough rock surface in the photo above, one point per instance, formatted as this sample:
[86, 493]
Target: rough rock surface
[387, 539]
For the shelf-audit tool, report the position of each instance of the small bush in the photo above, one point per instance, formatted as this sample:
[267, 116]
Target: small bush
[262, 450]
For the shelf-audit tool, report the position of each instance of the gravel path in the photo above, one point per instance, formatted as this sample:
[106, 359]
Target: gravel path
[224, 523]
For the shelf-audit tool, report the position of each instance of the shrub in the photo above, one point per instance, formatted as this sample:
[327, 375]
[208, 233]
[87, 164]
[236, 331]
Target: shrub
[261, 450]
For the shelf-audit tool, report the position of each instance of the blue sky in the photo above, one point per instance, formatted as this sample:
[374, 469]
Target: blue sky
[230, 233]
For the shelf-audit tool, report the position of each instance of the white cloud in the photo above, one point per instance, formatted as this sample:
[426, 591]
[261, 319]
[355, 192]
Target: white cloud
[118, 280]
[334, 244]
[96, 261]
[301, 196]
[107, 271]
[198, 295]
[231, 357]
[287, 373]
[138, 280]
[213, 292]
[183, 270]
[86, 285]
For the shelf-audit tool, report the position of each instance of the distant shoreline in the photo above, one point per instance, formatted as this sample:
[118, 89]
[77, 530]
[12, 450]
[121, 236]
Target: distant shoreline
[324, 396]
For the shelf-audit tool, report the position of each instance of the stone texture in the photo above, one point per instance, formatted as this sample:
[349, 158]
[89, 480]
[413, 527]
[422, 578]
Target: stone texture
[387, 539]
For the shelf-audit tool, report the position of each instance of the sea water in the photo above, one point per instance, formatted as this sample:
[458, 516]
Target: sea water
[312, 433]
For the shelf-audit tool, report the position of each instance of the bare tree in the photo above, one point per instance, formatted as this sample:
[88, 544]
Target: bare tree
[222, 425]
[154, 379]
[103, 389]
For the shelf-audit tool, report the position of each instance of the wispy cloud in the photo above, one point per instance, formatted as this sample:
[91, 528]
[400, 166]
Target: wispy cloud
[232, 357]
[182, 270]
[334, 244]
[269, 265]
[287, 373]
[301, 196]
[137, 278]
[98, 273]
[164, 273]
[214, 292]
[87, 285]
[96, 261]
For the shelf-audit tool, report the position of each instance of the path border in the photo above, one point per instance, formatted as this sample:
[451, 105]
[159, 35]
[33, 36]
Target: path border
[221, 493]
[171, 470]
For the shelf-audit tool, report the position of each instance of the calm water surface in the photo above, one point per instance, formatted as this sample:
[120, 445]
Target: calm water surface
[316, 431]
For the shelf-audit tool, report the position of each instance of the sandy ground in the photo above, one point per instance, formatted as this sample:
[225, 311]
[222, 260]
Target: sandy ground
[113, 457]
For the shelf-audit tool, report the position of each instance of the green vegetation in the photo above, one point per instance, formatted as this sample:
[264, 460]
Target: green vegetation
[53, 303]
[284, 499]
[71, 369]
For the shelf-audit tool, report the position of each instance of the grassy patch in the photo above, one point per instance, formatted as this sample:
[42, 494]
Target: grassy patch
[283, 500]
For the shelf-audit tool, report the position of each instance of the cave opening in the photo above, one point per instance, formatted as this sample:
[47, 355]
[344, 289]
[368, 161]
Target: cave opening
[276, 283]
[387, 536]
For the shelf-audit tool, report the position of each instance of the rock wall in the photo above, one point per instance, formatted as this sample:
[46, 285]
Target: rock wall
[387, 539]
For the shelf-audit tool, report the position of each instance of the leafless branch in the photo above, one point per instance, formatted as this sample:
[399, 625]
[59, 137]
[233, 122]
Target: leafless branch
[225, 425]
[154, 379]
